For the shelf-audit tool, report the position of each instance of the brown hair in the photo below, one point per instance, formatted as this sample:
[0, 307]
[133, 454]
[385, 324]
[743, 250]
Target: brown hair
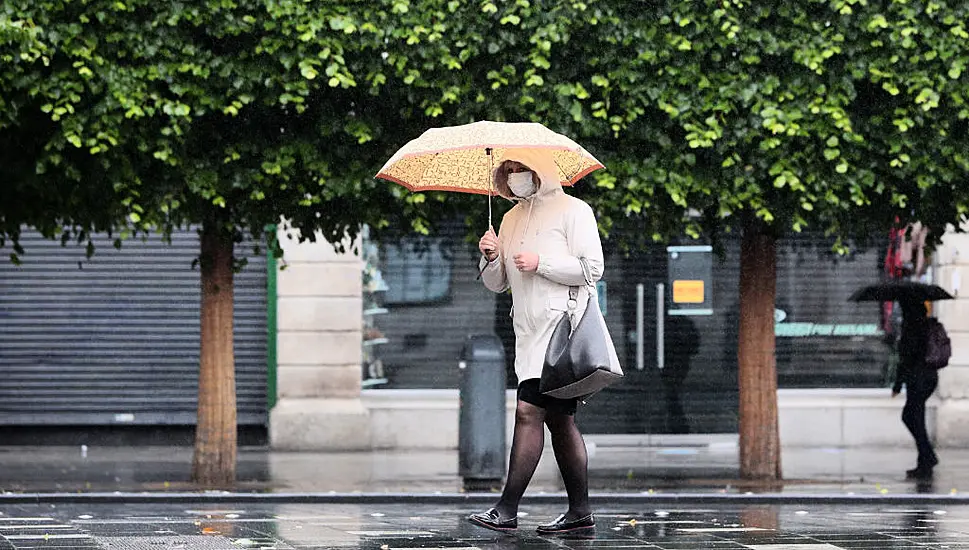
[501, 178]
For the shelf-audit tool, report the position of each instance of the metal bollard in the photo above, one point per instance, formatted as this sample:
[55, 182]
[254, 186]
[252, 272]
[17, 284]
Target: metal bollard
[481, 426]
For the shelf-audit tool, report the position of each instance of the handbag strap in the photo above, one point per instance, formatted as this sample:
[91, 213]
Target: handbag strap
[574, 290]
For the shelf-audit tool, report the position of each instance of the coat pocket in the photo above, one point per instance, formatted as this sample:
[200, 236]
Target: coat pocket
[556, 305]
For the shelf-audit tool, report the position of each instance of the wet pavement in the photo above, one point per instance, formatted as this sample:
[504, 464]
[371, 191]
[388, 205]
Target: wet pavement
[120, 498]
[391, 526]
[626, 470]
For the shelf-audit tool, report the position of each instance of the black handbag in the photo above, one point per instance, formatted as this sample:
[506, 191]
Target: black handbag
[582, 362]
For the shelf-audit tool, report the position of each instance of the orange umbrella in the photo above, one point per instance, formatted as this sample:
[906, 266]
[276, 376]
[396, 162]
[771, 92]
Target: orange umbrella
[462, 158]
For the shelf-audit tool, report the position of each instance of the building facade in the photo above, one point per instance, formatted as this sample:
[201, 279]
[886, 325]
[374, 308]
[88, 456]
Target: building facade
[834, 358]
[361, 350]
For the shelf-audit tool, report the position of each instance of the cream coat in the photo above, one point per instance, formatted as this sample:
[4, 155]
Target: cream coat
[560, 229]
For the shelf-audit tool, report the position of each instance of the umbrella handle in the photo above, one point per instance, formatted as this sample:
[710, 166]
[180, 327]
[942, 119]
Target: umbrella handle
[491, 191]
[491, 183]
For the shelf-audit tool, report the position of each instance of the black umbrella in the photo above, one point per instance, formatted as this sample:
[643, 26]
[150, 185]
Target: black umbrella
[899, 292]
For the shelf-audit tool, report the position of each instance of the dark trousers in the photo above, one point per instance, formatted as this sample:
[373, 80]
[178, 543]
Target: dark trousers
[917, 392]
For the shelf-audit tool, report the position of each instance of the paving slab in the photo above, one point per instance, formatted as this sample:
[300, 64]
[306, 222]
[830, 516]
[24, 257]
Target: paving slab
[390, 526]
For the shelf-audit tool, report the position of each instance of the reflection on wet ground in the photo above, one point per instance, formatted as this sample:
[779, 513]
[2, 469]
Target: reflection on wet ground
[393, 526]
[611, 469]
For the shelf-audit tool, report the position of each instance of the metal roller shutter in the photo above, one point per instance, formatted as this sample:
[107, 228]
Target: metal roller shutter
[115, 339]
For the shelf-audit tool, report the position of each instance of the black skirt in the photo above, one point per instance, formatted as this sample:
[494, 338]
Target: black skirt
[529, 393]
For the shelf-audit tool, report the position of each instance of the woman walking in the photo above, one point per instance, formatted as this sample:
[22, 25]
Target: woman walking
[920, 382]
[538, 254]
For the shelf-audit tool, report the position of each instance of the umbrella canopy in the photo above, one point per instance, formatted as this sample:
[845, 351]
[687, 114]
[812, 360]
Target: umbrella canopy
[900, 291]
[461, 158]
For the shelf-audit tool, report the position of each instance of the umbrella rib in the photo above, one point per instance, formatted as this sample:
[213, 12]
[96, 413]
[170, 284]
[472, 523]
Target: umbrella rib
[495, 146]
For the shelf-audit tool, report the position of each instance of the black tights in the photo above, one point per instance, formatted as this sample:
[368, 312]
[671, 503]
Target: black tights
[917, 392]
[526, 450]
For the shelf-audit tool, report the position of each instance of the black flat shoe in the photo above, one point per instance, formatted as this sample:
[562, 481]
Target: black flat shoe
[919, 473]
[582, 526]
[492, 520]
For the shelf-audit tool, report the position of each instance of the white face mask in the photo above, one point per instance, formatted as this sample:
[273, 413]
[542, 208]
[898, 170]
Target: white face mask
[521, 184]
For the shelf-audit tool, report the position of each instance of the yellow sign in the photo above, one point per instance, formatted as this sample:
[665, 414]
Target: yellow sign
[687, 292]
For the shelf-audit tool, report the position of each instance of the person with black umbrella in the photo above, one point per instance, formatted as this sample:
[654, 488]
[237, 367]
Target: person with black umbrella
[920, 382]
[919, 378]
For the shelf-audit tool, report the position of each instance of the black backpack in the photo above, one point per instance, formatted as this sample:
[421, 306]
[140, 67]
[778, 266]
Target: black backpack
[938, 348]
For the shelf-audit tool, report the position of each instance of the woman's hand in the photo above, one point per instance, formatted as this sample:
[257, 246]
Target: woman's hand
[488, 245]
[526, 261]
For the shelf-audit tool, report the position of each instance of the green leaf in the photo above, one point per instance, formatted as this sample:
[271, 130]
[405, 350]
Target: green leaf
[310, 73]
[576, 111]
[928, 99]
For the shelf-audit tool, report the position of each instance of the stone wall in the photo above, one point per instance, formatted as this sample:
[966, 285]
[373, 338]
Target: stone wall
[951, 264]
[318, 345]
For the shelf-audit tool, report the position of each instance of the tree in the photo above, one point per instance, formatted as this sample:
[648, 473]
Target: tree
[223, 115]
[764, 119]
[772, 118]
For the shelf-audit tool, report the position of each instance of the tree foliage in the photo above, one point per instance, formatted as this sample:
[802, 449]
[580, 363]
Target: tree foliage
[233, 112]
[825, 114]
[828, 115]
[52, 203]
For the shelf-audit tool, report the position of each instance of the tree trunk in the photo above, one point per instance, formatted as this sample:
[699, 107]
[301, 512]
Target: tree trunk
[214, 463]
[760, 456]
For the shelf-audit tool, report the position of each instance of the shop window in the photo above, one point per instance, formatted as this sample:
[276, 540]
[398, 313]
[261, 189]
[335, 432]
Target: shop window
[417, 272]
